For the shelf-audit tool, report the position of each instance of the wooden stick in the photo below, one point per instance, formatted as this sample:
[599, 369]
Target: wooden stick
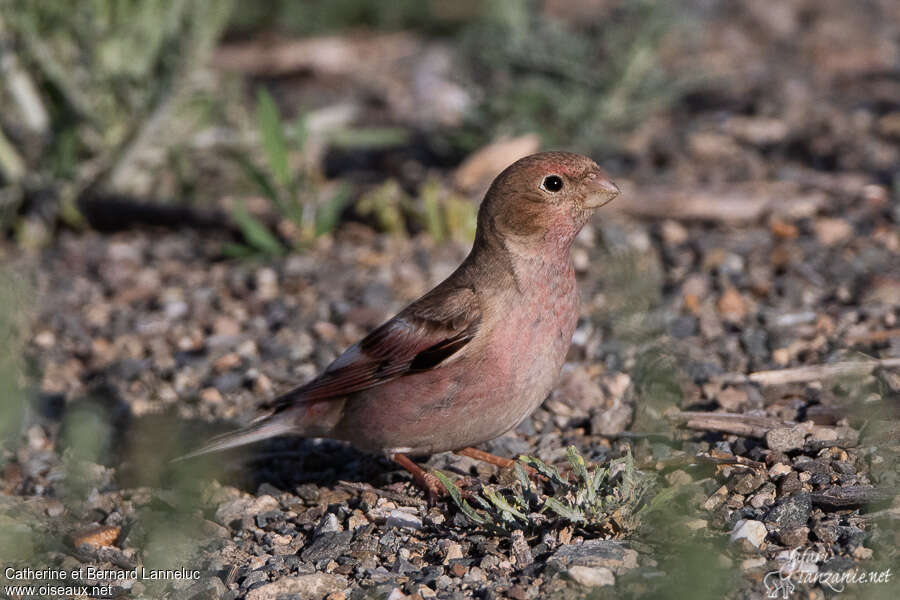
[873, 337]
[811, 372]
[738, 424]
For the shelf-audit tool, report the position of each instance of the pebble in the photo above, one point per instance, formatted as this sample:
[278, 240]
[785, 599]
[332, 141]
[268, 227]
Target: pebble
[454, 551]
[594, 553]
[591, 576]
[783, 439]
[790, 512]
[303, 587]
[747, 531]
[327, 546]
[399, 518]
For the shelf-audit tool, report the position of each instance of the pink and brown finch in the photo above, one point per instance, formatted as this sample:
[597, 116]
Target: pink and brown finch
[473, 357]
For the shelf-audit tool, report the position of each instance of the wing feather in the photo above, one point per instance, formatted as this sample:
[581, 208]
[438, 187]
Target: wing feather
[421, 337]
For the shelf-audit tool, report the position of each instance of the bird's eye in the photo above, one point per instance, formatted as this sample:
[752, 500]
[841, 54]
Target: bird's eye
[552, 183]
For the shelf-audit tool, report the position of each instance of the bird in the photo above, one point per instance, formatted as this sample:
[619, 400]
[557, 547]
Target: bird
[474, 356]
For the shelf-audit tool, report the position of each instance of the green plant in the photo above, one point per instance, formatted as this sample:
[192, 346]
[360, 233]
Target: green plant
[92, 91]
[591, 499]
[575, 85]
[290, 189]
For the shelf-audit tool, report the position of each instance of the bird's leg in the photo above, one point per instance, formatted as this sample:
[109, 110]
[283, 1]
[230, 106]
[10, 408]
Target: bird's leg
[499, 461]
[430, 484]
[491, 459]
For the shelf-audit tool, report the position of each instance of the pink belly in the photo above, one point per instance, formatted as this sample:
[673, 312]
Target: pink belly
[473, 399]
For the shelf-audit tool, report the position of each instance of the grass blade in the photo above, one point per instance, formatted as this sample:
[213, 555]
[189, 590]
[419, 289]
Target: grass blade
[578, 466]
[505, 507]
[268, 119]
[457, 498]
[328, 215]
[568, 513]
[255, 233]
[544, 469]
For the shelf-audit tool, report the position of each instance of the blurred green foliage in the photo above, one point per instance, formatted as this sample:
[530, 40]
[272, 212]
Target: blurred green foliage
[579, 83]
[577, 86]
[13, 301]
[309, 18]
[108, 74]
[291, 187]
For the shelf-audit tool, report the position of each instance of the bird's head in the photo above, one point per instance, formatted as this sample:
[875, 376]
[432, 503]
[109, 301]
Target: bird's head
[544, 199]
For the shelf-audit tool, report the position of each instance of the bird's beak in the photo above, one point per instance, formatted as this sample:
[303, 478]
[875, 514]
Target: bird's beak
[600, 190]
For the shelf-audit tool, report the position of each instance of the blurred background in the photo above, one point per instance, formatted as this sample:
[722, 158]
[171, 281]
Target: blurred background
[258, 112]
[203, 202]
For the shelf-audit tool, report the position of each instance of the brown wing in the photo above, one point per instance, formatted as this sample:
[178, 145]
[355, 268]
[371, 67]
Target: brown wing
[421, 337]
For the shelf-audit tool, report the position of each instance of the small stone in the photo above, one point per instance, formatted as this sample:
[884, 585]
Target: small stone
[327, 546]
[45, 339]
[765, 497]
[794, 537]
[781, 356]
[673, 232]
[100, 536]
[520, 549]
[591, 576]
[328, 524]
[779, 470]
[716, 499]
[790, 483]
[454, 551]
[732, 399]
[748, 532]
[833, 231]
[746, 482]
[266, 284]
[245, 506]
[357, 520]
[790, 512]
[399, 518]
[396, 594]
[731, 305]
[594, 553]
[210, 588]
[783, 439]
[303, 587]
[211, 395]
[227, 362]
[226, 326]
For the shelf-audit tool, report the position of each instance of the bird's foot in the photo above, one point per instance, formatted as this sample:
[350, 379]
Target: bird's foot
[428, 482]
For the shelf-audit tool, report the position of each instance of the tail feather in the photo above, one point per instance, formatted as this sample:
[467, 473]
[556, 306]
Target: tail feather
[264, 428]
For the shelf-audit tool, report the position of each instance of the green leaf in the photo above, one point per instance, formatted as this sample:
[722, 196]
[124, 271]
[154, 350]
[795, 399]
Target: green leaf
[544, 469]
[568, 513]
[232, 250]
[262, 181]
[328, 215]
[524, 481]
[431, 207]
[597, 480]
[255, 233]
[504, 506]
[268, 120]
[578, 466]
[457, 498]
